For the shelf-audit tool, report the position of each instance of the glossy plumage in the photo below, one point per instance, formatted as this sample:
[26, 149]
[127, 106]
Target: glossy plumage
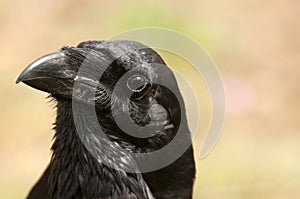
[76, 171]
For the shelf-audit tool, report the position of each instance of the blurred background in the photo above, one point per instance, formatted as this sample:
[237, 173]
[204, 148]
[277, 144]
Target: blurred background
[255, 45]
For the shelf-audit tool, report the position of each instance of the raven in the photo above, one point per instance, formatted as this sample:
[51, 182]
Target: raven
[92, 159]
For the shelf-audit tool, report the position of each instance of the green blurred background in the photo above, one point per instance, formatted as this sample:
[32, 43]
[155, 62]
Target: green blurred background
[255, 44]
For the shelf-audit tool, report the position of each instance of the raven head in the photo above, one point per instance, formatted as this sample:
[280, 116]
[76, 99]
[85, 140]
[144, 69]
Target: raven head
[126, 81]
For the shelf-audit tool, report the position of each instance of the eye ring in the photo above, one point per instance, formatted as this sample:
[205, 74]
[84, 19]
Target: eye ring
[137, 83]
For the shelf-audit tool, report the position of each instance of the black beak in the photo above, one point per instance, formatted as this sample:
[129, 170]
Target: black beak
[44, 67]
[51, 74]
[56, 73]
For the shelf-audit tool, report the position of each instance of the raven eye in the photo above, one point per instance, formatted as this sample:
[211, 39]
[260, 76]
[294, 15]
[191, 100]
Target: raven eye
[136, 83]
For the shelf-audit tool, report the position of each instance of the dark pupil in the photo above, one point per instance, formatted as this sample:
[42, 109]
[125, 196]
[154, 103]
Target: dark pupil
[136, 83]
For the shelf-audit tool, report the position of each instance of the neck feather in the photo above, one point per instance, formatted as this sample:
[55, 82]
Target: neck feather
[75, 173]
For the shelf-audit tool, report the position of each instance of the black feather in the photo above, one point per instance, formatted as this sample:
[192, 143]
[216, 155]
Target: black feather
[80, 171]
